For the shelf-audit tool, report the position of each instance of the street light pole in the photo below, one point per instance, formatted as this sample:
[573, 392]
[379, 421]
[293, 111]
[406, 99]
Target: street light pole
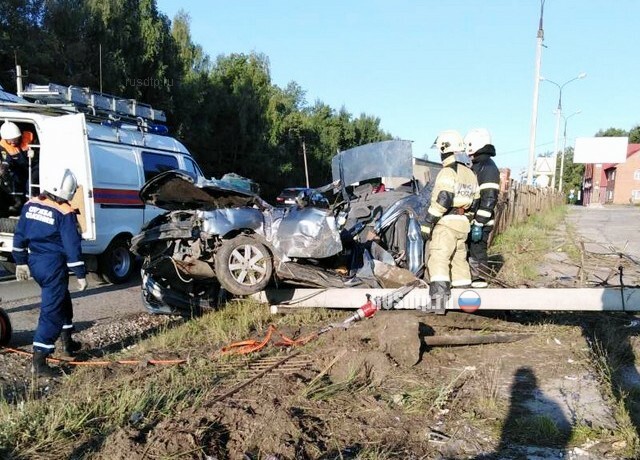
[558, 115]
[564, 148]
[536, 88]
[555, 146]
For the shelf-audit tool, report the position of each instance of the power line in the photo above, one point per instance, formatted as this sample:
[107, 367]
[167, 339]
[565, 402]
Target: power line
[523, 149]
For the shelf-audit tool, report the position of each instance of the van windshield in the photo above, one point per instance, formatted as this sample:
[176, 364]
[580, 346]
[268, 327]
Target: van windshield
[191, 167]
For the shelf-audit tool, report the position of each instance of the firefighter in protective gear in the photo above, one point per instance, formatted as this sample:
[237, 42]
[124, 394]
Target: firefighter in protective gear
[46, 245]
[454, 195]
[480, 149]
[14, 148]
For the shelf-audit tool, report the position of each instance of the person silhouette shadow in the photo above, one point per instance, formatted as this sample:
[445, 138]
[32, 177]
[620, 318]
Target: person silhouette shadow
[533, 421]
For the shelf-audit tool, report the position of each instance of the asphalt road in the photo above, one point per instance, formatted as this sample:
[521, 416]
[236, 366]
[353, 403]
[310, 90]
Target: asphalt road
[608, 228]
[100, 303]
[603, 228]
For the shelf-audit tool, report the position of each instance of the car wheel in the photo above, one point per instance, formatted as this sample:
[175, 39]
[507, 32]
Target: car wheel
[8, 225]
[117, 263]
[243, 265]
[5, 328]
[8, 267]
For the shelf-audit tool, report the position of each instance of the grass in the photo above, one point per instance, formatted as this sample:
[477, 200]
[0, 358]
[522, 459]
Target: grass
[582, 433]
[524, 246]
[609, 352]
[85, 407]
[540, 430]
[425, 397]
[357, 381]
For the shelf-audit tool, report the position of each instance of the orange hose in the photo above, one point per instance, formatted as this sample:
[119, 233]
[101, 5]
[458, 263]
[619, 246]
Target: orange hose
[100, 363]
[243, 347]
[249, 346]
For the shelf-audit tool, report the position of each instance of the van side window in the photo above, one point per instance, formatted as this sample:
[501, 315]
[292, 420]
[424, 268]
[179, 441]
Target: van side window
[155, 163]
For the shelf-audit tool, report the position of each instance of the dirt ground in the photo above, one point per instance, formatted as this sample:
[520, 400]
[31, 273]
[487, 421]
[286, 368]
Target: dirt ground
[377, 391]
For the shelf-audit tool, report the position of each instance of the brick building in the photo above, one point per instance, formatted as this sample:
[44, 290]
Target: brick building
[615, 183]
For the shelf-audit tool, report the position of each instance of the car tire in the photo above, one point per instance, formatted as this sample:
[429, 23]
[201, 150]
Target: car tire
[5, 328]
[117, 263]
[8, 225]
[243, 265]
[8, 267]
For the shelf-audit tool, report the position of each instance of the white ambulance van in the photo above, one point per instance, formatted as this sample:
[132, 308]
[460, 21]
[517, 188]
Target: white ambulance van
[111, 161]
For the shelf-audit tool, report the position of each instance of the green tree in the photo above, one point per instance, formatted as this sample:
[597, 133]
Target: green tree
[612, 132]
[74, 55]
[367, 129]
[195, 102]
[22, 40]
[227, 112]
[573, 172]
[242, 85]
[289, 132]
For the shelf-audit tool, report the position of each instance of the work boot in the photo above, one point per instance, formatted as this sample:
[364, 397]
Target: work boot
[39, 366]
[439, 291]
[69, 346]
[439, 305]
[479, 283]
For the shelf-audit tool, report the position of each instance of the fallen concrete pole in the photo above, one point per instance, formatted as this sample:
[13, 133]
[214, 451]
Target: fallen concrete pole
[540, 299]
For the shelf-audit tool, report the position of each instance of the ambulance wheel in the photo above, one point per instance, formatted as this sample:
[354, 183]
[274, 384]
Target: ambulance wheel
[5, 328]
[116, 263]
[243, 265]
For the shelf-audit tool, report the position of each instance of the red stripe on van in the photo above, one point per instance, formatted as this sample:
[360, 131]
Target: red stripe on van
[116, 196]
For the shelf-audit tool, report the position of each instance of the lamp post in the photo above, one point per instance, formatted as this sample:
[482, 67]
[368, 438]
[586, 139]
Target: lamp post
[536, 88]
[558, 115]
[564, 147]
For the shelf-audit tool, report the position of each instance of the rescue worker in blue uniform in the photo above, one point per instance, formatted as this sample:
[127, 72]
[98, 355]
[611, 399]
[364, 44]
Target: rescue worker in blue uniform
[481, 150]
[46, 245]
[15, 164]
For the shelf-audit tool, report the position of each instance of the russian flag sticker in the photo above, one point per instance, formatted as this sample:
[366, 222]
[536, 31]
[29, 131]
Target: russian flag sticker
[469, 301]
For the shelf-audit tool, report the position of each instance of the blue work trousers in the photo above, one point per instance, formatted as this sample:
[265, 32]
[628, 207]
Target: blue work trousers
[56, 311]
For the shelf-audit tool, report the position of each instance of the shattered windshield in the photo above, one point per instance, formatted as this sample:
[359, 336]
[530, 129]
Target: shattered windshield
[380, 159]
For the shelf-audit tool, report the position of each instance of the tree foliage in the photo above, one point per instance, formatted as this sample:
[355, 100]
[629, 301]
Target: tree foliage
[226, 111]
[572, 173]
[612, 132]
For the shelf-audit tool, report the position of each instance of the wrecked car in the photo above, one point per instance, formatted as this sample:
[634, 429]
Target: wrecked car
[216, 235]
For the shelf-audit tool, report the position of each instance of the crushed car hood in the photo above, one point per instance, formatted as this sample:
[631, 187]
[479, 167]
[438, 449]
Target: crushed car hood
[379, 159]
[175, 190]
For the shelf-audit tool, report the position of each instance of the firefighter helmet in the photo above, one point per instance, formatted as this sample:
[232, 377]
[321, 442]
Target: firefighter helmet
[9, 130]
[63, 185]
[476, 139]
[449, 141]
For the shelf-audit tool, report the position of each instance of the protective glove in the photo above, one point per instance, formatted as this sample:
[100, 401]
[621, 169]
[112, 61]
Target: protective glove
[426, 231]
[476, 233]
[22, 272]
[82, 284]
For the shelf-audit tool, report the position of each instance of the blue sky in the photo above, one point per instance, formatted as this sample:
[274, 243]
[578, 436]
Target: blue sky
[425, 66]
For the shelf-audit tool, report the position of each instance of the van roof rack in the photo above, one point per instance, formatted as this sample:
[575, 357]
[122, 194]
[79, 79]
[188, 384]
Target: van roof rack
[93, 102]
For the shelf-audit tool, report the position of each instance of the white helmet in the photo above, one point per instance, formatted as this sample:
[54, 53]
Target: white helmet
[476, 139]
[63, 185]
[9, 130]
[449, 141]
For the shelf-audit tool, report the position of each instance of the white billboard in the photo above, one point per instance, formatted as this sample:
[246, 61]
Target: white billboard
[601, 150]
